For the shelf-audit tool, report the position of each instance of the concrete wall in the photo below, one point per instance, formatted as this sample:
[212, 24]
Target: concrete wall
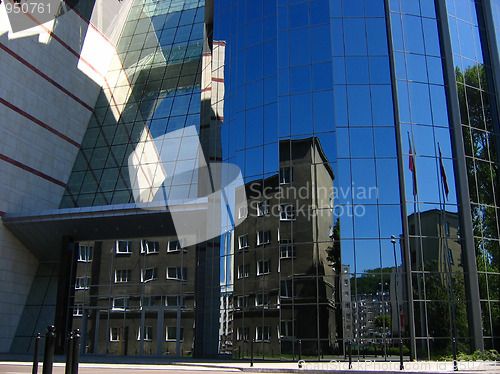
[45, 105]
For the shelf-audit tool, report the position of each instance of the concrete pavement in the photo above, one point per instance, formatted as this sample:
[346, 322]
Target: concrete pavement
[146, 365]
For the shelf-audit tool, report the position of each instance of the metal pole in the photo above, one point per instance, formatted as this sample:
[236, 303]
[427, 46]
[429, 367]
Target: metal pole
[251, 353]
[69, 354]
[385, 348]
[454, 347]
[300, 350]
[401, 366]
[350, 355]
[37, 353]
[398, 314]
[48, 354]
[76, 351]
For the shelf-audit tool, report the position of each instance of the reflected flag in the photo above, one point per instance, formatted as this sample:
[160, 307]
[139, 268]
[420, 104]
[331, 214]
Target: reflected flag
[412, 166]
[444, 180]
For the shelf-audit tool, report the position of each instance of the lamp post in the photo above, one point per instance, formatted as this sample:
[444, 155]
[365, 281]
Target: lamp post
[401, 366]
[384, 327]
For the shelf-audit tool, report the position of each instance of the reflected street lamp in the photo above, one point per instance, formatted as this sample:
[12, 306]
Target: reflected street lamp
[393, 241]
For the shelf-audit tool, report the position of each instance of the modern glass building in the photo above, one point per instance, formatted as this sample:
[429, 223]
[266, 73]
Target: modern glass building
[300, 174]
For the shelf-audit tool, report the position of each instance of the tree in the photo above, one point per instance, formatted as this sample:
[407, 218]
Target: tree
[382, 321]
[482, 171]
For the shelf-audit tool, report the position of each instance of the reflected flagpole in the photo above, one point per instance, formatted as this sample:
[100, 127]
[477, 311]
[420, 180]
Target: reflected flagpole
[418, 241]
[444, 192]
[444, 180]
[412, 166]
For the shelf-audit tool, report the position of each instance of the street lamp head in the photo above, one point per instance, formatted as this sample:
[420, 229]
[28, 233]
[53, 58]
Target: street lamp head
[393, 239]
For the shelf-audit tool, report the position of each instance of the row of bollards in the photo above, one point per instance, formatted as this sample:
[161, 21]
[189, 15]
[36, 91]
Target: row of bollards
[350, 355]
[37, 351]
[401, 365]
[251, 353]
[72, 352]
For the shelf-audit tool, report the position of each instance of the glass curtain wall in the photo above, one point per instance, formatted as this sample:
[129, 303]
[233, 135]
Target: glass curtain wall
[152, 89]
[308, 117]
[431, 199]
[340, 118]
[135, 296]
[368, 179]
[479, 119]
[278, 128]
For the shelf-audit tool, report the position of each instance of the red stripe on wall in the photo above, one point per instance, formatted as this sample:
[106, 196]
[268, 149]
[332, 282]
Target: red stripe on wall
[76, 53]
[100, 33]
[60, 41]
[76, 11]
[31, 170]
[44, 76]
[217, 79]
[38, 122]
[87, 22]
[206, 89]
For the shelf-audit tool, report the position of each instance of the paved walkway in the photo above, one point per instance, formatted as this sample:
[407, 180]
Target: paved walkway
[99, 364]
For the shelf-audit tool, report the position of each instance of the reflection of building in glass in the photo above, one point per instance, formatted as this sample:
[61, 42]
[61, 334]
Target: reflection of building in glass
[387, 96]
[347, 307]
[285, 284]
[369, 325]
[440, 247]
[129, 294]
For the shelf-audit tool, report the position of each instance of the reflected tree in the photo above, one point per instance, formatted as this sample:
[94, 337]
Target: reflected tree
[482, 169]
[333, 251]
[372, 281]
[382, 321]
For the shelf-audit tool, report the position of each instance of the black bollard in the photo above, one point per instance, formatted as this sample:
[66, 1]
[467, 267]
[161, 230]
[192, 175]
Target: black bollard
[69, 354]
[76, 351]
[37, 353]
[300, 350]
[454, 348]
[48, 354]
[350, 355]
[401, 366]
[251, 353]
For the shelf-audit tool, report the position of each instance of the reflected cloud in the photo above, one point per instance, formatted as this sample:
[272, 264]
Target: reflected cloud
[170, 172]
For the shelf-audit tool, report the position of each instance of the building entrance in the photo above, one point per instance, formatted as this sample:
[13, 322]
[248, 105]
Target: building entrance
[151, 331]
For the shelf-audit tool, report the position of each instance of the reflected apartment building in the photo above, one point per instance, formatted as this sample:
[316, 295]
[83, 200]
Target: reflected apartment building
[286, 279]
[184, 177]
[129, 294]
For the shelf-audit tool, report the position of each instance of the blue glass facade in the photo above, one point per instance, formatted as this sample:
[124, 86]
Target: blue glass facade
[366, 133]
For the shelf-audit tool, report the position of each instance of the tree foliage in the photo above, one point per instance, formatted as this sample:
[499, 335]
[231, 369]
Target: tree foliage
[482, 169]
